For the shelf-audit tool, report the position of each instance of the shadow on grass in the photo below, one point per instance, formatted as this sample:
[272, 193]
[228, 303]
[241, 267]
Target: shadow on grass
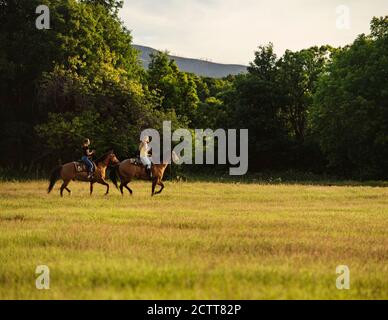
[18, 217]
[221, 176]
[279, 178]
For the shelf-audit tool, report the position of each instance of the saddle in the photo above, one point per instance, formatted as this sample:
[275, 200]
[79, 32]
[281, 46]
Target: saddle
[136, 161]
[80, 166]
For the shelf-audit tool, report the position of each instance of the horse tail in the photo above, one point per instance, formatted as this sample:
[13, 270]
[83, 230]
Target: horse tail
[55, 175]
[113, 175]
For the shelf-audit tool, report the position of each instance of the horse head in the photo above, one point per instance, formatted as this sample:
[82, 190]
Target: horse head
[112, 159]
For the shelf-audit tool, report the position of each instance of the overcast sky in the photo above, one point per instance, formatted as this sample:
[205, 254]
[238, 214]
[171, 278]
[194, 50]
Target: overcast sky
[228, 31]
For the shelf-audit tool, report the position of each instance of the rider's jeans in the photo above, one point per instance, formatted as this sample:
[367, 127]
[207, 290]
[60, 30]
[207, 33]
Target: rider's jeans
[88, 163]
[146, 161]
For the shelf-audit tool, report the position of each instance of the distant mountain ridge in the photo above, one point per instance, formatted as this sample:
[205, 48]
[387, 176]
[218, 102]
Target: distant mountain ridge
[196, 66]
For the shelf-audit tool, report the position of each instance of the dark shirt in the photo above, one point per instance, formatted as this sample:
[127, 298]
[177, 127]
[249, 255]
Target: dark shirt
[86, 152]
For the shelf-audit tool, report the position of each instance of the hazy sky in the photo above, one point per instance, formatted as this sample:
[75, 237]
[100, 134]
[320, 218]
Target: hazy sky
[229, 31]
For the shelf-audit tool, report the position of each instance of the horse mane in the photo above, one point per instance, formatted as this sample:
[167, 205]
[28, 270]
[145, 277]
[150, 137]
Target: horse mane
[103, 157]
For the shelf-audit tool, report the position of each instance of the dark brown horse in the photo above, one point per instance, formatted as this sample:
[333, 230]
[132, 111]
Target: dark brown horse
[127, 171]
[68, 172]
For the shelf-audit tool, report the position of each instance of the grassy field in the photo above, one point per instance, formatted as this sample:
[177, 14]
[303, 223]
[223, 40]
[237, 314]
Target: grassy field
[194, 241]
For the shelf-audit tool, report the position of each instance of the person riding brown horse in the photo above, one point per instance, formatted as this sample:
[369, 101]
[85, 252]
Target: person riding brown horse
[144, 154]
[128, 170]
[70, 171]
[87, 157]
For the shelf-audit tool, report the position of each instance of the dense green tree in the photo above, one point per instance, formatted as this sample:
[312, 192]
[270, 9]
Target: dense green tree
[350, 116]
[113, 6]
[297, 77]
[254, 104]
[177, 90]
[211, 111]
[83, 65]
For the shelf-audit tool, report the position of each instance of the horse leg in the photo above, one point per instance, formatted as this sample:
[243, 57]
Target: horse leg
[129, 189]
[103, 182]
[91, 187]
[121, 188]
[63, 187]
[160, 183]
[68, 190]
[154, 181]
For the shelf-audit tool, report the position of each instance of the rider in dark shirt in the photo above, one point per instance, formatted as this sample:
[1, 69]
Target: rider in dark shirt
[86, 157]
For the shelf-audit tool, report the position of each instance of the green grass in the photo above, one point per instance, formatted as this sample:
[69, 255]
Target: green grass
[194, 241]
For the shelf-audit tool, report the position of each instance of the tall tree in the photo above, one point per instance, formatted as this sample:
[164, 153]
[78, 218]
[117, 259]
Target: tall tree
[350, 115]
[297, 76]
[177, 90]
[113, 6]
[86, 41]
[254, 104]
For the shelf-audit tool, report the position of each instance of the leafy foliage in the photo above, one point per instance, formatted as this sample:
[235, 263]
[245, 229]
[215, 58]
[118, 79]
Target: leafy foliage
[350, 116]
[176, 90]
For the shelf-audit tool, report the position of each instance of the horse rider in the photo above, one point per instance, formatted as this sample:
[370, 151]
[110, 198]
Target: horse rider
[87, 156]
[144, 158]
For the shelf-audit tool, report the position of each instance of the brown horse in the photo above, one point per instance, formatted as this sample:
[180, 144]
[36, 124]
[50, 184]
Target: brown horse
[68, 172]
[127, 171]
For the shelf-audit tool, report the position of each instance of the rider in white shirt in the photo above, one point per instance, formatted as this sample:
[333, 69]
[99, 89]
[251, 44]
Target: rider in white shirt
[144, 149]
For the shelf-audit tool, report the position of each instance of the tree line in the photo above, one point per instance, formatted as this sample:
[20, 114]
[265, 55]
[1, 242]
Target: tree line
[321, 109]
